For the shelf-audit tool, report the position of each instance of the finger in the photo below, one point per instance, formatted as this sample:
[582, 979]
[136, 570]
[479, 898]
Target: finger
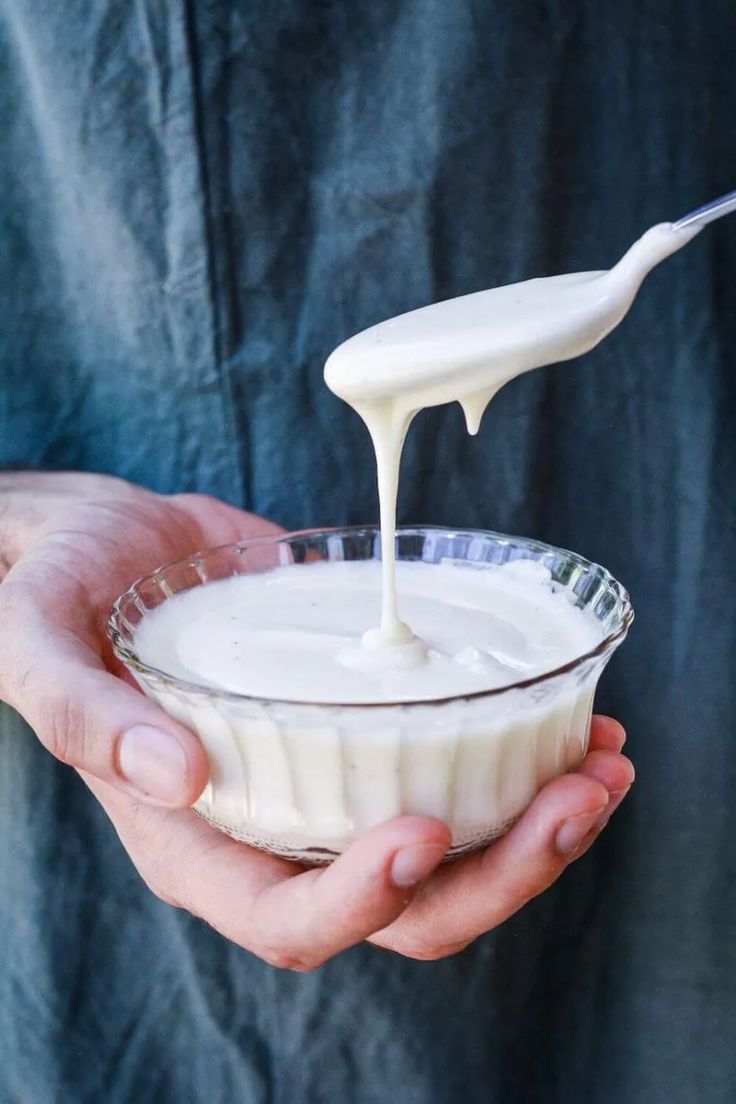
[465, 899]
[606, 734]
[616, 773]
[591, 836]
[233, 524]
[312, 917]
[290, 917]
[88, 718]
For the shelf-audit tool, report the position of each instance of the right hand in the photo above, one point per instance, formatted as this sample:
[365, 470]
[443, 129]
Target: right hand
[70, 544]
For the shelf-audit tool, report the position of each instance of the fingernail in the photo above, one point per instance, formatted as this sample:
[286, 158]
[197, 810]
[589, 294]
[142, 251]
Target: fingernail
[615, 798]
[154, 762]
[573, 831]
[412, 865]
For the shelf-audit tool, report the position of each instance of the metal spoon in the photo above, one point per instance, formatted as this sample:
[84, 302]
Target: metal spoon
[716, 209]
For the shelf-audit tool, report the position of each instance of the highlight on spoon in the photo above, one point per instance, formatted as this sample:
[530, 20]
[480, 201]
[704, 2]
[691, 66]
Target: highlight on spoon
[716, 209]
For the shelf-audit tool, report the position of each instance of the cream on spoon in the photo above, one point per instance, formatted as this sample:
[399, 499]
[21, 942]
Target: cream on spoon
[465, 350]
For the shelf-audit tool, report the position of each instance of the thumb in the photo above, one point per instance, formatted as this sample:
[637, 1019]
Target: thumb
[92, 720]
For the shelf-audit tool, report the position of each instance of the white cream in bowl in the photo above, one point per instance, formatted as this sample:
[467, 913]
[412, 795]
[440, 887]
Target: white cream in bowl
[294, 633]
[308, 749]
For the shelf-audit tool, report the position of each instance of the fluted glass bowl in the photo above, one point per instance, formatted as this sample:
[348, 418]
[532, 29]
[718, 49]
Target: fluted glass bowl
[303, 780]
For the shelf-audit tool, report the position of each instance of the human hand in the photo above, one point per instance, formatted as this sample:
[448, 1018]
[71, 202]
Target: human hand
[70, 543]
[464, 899]
[388, 886]
[73, 543]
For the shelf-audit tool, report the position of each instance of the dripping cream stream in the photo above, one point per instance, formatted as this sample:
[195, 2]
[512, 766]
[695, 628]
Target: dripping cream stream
[464, 350]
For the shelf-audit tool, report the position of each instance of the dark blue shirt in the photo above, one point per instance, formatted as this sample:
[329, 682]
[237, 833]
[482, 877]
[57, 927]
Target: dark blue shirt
[198, 201]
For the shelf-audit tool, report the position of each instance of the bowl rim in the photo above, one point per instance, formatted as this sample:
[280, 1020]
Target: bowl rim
[132, 660]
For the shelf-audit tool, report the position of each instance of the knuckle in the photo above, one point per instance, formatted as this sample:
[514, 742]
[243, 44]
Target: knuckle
[64, 732]
[15, 666]
[283, 959]
[160, 884]
[17, 675]
[435, 953]
[155, 857]
[15, 594]
[161, 893]
[188, 498]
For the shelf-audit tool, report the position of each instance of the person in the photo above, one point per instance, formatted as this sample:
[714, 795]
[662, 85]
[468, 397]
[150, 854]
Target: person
[200, 203]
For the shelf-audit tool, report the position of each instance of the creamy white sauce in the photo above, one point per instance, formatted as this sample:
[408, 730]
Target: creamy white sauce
[298, 779]
[309, 633]
[294, 633]
[465, 350]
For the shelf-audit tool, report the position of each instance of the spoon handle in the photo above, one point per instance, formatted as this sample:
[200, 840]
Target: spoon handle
[707, 213]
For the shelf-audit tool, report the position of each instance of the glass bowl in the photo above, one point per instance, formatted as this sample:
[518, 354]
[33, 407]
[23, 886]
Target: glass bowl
[303, 780]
